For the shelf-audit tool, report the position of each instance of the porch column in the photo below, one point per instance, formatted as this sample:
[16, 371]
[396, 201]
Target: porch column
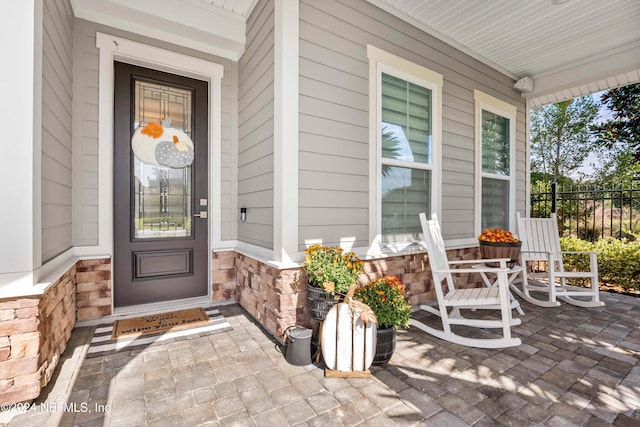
[21, 114]
[285, 192]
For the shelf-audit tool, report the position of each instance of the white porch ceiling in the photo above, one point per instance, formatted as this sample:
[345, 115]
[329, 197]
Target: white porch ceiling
[241, 7]
[568, 49]
[212, 26]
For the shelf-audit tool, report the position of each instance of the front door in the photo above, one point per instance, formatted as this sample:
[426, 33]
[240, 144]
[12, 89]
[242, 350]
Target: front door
[160, 186]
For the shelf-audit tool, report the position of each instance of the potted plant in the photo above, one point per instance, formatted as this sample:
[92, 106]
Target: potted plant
[331, 272]
[386, 297]
[497, 243]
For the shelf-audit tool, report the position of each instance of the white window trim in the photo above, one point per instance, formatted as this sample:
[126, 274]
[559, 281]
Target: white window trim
[382, 61]
[487, 102]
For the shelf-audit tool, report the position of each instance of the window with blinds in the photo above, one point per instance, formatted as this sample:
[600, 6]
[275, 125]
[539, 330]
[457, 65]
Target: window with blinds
[406, 158]
[495, 144]
[496, 171]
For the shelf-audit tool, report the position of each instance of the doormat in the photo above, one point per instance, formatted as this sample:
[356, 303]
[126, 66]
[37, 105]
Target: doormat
[155, 323]
[103, 344]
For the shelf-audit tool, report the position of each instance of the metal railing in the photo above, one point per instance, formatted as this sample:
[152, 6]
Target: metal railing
[590, 212]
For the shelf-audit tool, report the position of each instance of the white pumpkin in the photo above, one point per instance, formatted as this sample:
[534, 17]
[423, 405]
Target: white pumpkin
[348, 344]
[155, 144]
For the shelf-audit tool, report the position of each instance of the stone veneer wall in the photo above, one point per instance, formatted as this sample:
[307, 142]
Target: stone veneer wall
[415, 272]
[93, 289]
[34, 330]
[275, 298]
[278, 298]
[223, 274]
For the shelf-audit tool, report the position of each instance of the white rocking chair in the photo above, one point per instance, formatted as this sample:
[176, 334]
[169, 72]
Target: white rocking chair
[541, 246]
[448, 297]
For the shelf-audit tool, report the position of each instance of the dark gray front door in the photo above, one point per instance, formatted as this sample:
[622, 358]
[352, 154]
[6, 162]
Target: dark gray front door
[160, 186]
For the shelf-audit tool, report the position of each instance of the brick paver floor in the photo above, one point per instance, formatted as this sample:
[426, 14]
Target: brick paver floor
[576, 366]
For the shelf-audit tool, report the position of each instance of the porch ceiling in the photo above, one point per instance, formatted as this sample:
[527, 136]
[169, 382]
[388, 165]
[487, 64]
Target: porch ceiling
[569, 48]
[212, 26]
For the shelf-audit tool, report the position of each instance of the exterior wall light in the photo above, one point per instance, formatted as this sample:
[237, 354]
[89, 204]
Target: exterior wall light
[243, 214]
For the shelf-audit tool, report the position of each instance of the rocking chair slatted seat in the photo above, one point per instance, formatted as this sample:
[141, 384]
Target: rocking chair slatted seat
[450, 298]
[541, 246]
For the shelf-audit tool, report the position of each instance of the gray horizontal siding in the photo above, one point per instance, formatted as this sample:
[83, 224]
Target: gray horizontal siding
[255, 128]
[86, 56]
[86, 134]
[334, 117]
[56, 166]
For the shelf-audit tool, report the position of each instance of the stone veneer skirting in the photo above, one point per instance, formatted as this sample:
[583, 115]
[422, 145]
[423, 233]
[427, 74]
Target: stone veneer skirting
[93, 288]
[34, 330]
[278, 298]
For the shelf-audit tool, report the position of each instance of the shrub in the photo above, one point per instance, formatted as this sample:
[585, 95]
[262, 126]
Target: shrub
[386, 297]
[332, 265]
[618, 260]
[577, 262]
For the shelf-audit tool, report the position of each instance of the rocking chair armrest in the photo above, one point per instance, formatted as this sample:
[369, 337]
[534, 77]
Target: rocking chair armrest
[478, 261]
[548, 254]
[472, 270]
[535, 252]
[593, 257]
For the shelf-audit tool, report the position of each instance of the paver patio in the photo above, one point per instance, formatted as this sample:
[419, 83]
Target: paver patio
[575, 366]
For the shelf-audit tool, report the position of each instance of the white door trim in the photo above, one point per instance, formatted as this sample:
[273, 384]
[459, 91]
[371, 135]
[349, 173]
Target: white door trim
[116, 48]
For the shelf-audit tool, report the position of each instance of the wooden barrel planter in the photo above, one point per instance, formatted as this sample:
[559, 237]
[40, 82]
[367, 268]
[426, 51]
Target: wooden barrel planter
[320, 302]
[491, 250]
[385, 345]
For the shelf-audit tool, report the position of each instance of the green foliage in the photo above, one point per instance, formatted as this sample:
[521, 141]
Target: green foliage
[618, 165]
[332, 265]
[620, 263]
[545, 179]
[624, 127]
[618, 260]
[560, 137]
[578, 262]
[386, 298]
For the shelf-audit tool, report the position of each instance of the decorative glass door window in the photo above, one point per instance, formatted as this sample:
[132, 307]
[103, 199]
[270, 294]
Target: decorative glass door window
[163, 174]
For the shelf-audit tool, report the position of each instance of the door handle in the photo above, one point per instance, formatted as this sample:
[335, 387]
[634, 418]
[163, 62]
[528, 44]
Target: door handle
[201, 214]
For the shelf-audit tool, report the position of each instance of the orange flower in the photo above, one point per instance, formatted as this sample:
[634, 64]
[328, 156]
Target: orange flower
[387, 298]
[496, 235]
[153, 130]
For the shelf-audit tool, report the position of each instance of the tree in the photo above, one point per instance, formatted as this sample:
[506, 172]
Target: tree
[560, 136]
[621, 133]
[617, 165]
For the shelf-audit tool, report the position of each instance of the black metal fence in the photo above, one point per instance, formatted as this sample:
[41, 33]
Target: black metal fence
[590, 212]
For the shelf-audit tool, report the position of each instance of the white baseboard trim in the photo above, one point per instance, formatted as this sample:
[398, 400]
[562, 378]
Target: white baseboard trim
[29, 283]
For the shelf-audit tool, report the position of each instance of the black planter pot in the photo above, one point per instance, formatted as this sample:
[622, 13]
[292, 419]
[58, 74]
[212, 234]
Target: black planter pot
[320, 302]
[385, 345]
